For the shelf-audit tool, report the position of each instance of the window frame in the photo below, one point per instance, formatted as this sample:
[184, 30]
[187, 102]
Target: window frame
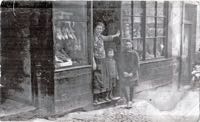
[143, 24]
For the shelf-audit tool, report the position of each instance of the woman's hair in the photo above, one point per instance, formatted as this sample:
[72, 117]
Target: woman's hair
[100, 24]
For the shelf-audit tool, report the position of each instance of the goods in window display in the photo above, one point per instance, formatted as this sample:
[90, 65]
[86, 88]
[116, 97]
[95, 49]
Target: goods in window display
[136, 30]
[70, 44]
[70, 30]
[61, 57]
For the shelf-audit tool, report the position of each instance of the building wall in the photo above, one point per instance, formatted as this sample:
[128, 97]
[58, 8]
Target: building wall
[175, 35]
[175, 27]
[27, 53]
[154, 74]
[198, 28]
[16, 76]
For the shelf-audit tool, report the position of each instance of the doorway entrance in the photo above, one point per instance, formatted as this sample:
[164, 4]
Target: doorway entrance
[107, 13]
[188, 42]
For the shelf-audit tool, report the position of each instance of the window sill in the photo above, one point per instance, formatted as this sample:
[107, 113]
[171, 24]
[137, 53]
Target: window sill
[155, 60]
[60, 69]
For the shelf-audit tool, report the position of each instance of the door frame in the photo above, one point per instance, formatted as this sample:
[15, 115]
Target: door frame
[191, 43]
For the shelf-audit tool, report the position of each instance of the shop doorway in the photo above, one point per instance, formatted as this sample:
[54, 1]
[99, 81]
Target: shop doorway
[108, 13]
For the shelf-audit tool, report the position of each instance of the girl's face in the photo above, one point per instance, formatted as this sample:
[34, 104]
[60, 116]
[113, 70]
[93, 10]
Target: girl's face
[110, 53]
[98, 29]
[128, 45]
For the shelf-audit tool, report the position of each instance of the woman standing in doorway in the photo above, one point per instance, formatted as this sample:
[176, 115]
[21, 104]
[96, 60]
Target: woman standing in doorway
[99, 58]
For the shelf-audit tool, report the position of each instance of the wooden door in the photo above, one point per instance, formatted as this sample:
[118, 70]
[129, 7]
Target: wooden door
[186, 54]
[188, 42]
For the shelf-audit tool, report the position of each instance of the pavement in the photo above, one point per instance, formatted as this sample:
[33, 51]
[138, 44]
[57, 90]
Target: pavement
[11, 107]
[164, 104]
[183, 106]
[164, 98]
[187, 110]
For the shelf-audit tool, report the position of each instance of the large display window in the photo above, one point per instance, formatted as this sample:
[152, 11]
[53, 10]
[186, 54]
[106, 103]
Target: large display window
[145, 24]
[70, 34]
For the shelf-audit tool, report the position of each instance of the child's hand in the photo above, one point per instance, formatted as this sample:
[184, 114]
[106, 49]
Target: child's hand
[117, 77]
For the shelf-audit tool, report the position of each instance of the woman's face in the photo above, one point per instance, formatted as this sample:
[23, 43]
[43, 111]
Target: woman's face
[98, 29]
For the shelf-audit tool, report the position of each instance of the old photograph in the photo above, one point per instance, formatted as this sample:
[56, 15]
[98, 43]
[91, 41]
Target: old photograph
[99, 61]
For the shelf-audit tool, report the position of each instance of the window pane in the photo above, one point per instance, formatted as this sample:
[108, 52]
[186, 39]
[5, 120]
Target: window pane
[126, 3]
[138, 46]
[160, 27]
[150, 27]
[188, 12]
[137, 27]
[70, 13]
[160, 8]
[126, 8]
[70, 43]
[126, 30]
[150, 8]
[160, 49]
[137, 9]
[149, 48]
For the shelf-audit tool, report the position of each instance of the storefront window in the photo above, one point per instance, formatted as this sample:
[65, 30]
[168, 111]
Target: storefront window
[70, 34]
[148, 21]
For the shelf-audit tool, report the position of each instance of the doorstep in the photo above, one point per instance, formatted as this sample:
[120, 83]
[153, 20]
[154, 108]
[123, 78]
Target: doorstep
[115, 99]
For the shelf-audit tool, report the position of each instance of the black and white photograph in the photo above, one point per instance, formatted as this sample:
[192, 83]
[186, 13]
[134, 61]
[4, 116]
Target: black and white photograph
[100, 61]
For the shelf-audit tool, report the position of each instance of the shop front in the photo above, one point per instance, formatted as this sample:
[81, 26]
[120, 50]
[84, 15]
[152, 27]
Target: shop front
[54, 50]
[72, 59]
[46, 54]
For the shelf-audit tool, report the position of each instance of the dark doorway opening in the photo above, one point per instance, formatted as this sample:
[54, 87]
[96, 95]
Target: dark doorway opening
[108, 13]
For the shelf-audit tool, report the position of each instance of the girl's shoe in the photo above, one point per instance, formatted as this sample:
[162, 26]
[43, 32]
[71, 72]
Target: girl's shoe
[110, 97]
[107, 99]
[128, 106]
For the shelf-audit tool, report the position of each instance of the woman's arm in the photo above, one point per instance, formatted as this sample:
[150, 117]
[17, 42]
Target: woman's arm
[111, 37]
[107, 38]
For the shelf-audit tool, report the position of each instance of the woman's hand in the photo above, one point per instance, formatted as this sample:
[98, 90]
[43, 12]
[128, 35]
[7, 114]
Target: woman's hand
[94, 64]
[117, 77]
[130, 74]
[117, 34]
[126, 74]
